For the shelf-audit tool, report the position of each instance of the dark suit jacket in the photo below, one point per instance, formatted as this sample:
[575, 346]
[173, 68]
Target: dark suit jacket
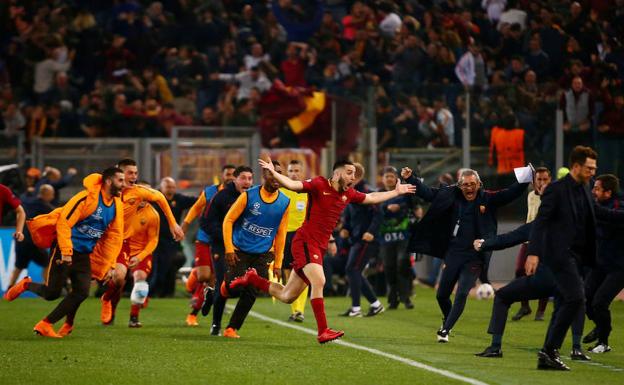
[507, 240]
[433, 233]
[554, 227]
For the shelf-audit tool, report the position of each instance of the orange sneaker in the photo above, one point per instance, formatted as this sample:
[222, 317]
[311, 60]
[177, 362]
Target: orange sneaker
[17, 289]
[191, 320]
[106, 315]
[230, 333]
[45, 329]
[65, 330]
[191, 282]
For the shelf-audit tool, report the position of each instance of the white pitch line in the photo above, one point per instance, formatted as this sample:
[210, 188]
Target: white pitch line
[378, 352]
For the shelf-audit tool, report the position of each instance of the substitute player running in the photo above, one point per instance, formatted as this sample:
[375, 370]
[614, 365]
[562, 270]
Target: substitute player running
[136, 256]
[254, 232]
[327, 198]
[201, 280]
[85, 236]
[132, 195]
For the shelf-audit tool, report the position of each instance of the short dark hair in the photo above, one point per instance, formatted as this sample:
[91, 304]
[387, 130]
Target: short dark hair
[227, 166]
[110, 172]
[580, 154]
[609, 182]
[389, 169]
[342, 163]
[541, 169]
[295, 161]
[241, 169]
[126, 162]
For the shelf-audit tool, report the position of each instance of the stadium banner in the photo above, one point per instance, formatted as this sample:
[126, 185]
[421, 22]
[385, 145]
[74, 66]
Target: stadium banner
[7, 262]
[199, 166]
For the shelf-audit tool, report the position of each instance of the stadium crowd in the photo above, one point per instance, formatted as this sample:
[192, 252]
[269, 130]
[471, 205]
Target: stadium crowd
[139, 67]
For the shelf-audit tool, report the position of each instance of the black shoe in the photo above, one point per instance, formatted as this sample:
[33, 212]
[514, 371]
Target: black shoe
[393, 305]
[215, 330]
[291, 318]
[208, 299]
[521, 313]
[351, 313]
[442, 335]
[491, 352]
[579, 355]
[591, 337]
[134, 322]
[409, 305]
[373, 311]
[549, 360]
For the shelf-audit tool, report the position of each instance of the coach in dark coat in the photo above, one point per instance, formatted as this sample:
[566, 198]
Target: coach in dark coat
[458, 215]
[564, 239]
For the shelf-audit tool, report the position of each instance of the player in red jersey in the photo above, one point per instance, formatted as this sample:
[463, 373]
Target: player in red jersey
[327, 198]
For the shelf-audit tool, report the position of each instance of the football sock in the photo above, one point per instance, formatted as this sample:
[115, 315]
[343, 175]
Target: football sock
[299, 304]
[191, 284]
[134, 310]
[318, 306]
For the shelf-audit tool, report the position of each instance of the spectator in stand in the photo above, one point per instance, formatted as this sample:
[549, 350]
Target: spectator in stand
[252, 78]
[577, 104]
[390, 22]
[58, 60]
[14, 121]
[470, 68]
[294, 66]
[408, 63]
[255, 56]
[536, 58]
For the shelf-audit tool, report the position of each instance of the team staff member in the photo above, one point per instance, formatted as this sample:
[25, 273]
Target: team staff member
[26, 251]
[606, 279]
[296, 216]
[132, 195]
[254, 233]
[212, 224]
[327, 199]
[394, 233]
[166, 261]
[8, 198]
[360, 225]
[541, 180]
[137, 257]
[89, 234]
[564, 238]
[523, 288]
[457, 216]
[201, 279]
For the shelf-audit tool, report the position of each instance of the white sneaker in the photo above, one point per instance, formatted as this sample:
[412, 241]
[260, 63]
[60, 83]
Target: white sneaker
[600, 348]
[443, 336]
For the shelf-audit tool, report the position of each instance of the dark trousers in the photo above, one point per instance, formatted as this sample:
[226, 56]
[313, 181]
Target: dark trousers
[465, 276]
[218, 263]
[161, 264]
[398, 271]
[359, 254]
[247, 295]
[79, 273]
[601, 287]
[570, 288]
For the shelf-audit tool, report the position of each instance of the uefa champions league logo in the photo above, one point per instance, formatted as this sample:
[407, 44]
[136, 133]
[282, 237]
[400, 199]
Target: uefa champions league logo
[256, 209]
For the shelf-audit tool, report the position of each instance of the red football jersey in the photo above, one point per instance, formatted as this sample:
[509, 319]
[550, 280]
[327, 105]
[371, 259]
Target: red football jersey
[325, 205]
[7, 198]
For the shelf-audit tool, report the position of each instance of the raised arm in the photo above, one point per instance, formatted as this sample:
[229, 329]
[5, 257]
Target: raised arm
[422, 190]
[382, 196]
[157, 197]
[293, 185]
[508, 195]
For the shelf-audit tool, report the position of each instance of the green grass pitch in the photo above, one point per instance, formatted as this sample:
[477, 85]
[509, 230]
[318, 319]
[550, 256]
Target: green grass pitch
[166, 351]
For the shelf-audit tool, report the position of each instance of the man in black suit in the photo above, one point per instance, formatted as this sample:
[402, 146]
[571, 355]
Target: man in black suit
[564, 239]
[458, 215]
